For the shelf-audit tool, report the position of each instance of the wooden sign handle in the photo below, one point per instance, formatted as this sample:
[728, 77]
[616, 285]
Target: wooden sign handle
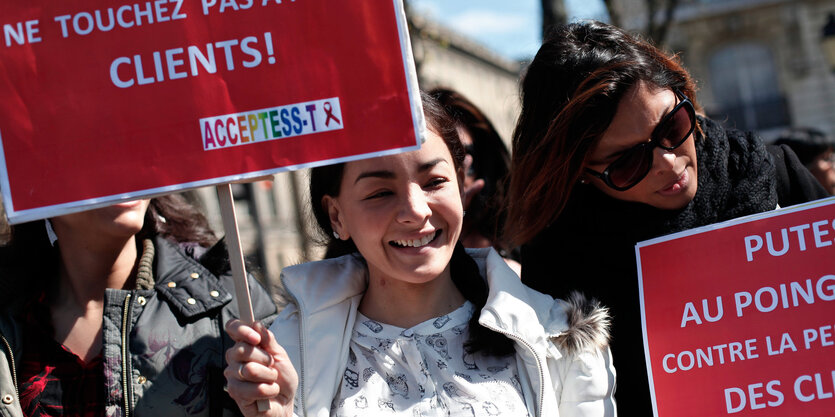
[236, 260]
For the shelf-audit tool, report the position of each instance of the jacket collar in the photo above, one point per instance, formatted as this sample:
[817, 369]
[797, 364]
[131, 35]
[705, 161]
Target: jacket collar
[183, 282]
[315, 286]
[514, 307]
[511, 306]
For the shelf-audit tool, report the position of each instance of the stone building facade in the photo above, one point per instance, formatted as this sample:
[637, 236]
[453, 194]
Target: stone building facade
[759, 64]
[447, 59]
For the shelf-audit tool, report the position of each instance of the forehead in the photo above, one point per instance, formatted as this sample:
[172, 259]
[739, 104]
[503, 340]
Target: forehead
[410, 162]
[638, 113]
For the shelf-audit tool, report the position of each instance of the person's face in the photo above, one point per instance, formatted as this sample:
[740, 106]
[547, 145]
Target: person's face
[672, 180]
[118, 221]
[823, 168]
[403, 212]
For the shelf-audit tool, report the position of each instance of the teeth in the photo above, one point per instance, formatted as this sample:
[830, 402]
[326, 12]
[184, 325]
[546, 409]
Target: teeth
[416, 243]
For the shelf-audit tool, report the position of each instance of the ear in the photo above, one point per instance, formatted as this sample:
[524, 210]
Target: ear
[331, 205]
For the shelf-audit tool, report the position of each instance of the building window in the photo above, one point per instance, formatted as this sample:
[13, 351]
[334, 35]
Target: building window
[744, 84]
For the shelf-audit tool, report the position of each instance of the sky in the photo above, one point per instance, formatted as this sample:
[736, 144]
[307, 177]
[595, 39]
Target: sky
[510, 28]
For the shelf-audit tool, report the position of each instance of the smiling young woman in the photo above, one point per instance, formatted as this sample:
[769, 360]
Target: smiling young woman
[404, 213]
[610, 150]
[408, 321]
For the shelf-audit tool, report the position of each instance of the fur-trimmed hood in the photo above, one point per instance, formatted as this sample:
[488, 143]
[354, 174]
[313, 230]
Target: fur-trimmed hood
[575, 324]
[588, 325]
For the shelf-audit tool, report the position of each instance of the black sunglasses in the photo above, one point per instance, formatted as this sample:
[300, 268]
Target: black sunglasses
[635, 163]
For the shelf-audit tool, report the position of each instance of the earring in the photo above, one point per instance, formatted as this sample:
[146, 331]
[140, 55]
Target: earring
[583, 181]
[336, 235]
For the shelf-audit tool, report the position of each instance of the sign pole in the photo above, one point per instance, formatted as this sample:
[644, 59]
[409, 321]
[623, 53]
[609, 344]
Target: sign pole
[236, 261]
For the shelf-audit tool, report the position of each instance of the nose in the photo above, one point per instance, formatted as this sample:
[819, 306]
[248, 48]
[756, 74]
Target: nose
[414, 207]
[663, 161]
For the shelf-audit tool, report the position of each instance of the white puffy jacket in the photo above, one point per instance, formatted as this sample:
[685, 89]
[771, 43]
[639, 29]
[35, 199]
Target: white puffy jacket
[562, 353]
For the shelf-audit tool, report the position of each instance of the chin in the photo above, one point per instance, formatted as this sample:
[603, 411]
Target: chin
[132, 227]
[111, 221]
[426, 271]
[126, 228]
[679, 201]
[125, 220]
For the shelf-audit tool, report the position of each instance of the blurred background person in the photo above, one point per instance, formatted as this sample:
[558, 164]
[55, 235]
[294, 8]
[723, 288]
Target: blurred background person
[814, 149]
[118, 311]
[487, 166]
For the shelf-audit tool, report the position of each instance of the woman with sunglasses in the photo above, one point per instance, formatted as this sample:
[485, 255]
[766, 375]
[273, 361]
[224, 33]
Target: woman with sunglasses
[610, 150]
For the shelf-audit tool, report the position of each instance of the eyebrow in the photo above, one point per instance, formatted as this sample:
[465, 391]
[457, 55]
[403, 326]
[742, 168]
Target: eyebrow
[389, 174]
[619, 152]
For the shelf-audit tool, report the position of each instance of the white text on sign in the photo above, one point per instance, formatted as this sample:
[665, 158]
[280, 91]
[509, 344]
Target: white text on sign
[819, 236]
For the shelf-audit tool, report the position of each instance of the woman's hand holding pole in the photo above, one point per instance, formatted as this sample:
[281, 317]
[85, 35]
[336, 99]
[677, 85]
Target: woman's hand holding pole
[258, 368]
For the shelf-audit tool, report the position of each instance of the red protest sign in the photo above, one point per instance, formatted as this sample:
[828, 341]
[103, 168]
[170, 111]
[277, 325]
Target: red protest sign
[739, 317]
[102, 100]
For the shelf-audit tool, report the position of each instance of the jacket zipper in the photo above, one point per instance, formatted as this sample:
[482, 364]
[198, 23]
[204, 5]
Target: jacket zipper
[303, 397]
[11, 360]
[538, 365]
[126, 370]
[301, 371]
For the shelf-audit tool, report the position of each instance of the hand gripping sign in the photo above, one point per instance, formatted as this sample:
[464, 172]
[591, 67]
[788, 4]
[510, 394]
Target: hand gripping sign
[739, 317]
[102, 101]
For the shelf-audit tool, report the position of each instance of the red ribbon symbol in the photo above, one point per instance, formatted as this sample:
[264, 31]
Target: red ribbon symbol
[329, 114]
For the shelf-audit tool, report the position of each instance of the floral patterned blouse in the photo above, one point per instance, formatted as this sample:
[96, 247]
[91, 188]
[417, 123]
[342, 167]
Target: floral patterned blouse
[425, 371]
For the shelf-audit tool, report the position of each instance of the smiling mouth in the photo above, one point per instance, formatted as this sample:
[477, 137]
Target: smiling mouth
[415, 243]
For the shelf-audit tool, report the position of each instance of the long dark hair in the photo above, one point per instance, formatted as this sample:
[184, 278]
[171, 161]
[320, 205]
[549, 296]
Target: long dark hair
[491, 162]
[570, 93]
[174, 218]
[29, 263]
[327, 180]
